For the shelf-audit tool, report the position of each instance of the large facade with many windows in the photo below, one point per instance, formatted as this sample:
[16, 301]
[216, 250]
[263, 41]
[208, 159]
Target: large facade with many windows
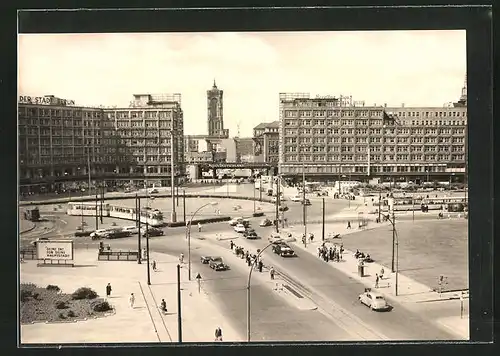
[58, 142]
[328, 136]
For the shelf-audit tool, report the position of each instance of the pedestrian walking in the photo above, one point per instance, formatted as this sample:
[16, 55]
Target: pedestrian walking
[271, 273]
[108, 290]
[181, 258]
[163, 306]
[260, 266]
[382, 271]
[348, 224]
[199, 227]
[376, 280]
[131, 300]
[231, 244]
[154, 265]
[218, 334]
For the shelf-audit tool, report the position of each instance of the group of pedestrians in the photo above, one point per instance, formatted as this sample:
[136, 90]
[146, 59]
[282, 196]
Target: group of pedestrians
[331, 253]
[250, 259]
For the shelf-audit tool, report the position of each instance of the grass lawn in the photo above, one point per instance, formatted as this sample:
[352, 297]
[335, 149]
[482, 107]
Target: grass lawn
[426, 250]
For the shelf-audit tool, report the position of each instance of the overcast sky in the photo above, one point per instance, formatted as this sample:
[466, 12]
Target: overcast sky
[418, 68]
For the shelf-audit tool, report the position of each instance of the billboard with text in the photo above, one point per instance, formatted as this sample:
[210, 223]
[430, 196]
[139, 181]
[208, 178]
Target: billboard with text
[54, 250]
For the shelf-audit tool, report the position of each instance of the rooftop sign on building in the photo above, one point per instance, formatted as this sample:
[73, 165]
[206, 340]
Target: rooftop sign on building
[45, 100]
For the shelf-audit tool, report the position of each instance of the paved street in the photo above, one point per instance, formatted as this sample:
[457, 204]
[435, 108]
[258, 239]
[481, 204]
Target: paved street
[311, 272]
[229, 291]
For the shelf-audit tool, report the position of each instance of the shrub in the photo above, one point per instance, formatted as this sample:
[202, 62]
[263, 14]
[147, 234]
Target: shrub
[53, 288]
[101, 306]
[71, 314]
[84, 293]
[61, 305]
[62, 316]
[25, 295]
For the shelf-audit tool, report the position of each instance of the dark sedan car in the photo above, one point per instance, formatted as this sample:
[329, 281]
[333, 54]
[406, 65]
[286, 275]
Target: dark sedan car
[252, 235]
[206, 259]
[152, 232]
[217, 264]
[283, 250]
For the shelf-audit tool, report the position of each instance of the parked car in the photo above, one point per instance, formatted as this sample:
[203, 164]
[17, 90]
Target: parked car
[265, 222]
[275, 238]
[283, 250]
[373, 300]
[217, 264]
[240, 228]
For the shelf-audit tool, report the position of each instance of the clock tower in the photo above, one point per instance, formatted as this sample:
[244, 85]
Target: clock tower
[215, 112]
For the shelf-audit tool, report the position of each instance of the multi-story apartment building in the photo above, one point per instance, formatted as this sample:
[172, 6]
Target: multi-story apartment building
[266, 142]
[327, 136]
[58, 141]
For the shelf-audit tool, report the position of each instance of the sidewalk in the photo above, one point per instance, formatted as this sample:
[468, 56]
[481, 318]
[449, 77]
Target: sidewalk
[144, 322]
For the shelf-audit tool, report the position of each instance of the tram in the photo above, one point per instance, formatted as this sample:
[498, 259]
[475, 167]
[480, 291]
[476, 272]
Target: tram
[152, 217]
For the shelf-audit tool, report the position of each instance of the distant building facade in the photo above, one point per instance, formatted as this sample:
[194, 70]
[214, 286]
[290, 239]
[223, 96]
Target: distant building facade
[329, 136]
[58, 140]
[266, 142]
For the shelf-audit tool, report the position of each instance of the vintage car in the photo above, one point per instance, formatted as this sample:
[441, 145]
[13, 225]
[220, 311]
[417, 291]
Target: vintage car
[116, 234]
[251, 235]
[275, 238]
[297, 198]
[265, 222]
[238, 220]
[206, 259]
[240, 228]
[373, 300]
[283, 250]
[151, 232]
[217, 264]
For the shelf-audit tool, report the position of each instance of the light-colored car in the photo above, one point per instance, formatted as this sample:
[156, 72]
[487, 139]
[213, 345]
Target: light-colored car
[373, 300]
[265, 222]
[100, 233]
[297, 198]
[275, 239]
[240, 228]
[235, 221]
[131, 229]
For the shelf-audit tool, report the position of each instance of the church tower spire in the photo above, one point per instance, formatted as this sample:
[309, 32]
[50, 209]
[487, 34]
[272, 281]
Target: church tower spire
[215, 86]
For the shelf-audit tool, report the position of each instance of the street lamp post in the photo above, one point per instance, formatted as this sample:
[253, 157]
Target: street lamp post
[147, 240]
[395, 255]
[188, 233]
[259, 253]
[304, 206]
[173, 216]
[138, 224]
